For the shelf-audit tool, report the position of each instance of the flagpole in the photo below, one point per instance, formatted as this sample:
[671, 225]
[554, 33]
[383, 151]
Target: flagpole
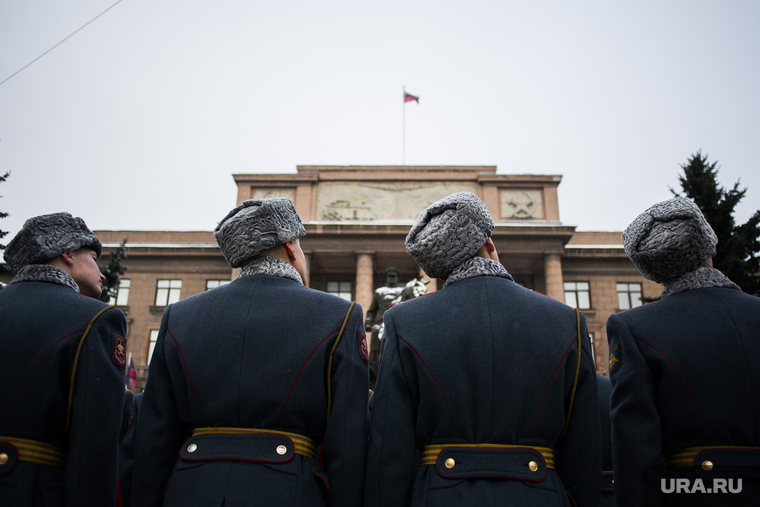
[403, 130]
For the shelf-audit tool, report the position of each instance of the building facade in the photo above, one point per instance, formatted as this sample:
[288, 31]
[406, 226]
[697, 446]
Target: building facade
[356, 219]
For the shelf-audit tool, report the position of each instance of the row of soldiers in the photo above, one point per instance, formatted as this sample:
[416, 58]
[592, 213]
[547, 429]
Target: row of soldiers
[486, 392]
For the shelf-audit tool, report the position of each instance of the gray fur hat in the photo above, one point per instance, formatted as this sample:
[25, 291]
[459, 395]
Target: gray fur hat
[448, 233]
[45, 237]
[669, 239]
[256, 225]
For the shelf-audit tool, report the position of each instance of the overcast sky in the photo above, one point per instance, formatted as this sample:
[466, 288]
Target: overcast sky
[139, 120]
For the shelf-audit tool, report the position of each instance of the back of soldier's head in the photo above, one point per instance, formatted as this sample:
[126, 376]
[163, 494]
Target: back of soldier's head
[255, 226]
[448, 233]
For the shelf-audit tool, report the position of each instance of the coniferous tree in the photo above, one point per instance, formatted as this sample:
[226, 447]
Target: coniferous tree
[3, 267]
[738, 245]
[2, 214]
[113, 270]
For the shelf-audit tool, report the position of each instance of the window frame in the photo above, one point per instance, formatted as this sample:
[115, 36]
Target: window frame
[218, 282]
[575, 291]
[628, 292]
[152, 339]
[340, 292]
[173, 291]
[122, 289]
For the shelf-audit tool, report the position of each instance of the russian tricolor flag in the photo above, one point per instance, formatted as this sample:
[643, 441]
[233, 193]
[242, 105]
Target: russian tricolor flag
[131, 375]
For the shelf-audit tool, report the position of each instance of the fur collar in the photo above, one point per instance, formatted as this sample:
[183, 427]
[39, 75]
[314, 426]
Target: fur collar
[45, 273]
[699, 279]
[271, 266]
[477, 266]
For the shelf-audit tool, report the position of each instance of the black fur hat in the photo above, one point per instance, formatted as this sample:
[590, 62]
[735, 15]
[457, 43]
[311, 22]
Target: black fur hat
[256, 225]
[669, 239]
[45, 237]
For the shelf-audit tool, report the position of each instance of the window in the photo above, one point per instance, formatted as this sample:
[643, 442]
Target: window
[213, 284]
[167, 292]
[152, 343]
[577, 295]
[340, 289]
[122, 294]
[629, 295]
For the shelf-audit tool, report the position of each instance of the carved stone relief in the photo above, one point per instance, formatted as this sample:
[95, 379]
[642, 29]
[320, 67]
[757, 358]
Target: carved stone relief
[521, 204]
[265, 193]
[369, 201]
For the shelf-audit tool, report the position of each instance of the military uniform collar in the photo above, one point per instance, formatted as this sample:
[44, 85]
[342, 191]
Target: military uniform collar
[271, 266]
[477, 266]
[45, 273]
[702, 278]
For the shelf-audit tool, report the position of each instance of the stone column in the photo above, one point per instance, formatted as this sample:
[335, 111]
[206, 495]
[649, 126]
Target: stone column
[364, 279]
[553, 272]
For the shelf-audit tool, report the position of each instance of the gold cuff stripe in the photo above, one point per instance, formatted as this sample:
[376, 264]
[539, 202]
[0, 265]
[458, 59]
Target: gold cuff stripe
[684, 458]
[301, 445]
[39, 453]
[430, 453]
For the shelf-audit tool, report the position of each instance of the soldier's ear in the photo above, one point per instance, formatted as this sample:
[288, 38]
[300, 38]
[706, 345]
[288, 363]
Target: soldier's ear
[290, 250]
[68, 258]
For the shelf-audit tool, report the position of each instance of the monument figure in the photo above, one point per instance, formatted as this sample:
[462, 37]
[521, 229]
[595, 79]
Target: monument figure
[382, 298]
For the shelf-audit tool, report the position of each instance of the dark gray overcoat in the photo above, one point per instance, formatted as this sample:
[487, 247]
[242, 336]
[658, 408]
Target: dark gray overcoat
[483, 361]
[604, 391]
[41, 325]
[685, 374]
[254, 353]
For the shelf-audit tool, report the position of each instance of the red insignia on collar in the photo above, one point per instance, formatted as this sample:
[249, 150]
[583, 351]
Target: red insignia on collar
[363, 349]
[119, 350]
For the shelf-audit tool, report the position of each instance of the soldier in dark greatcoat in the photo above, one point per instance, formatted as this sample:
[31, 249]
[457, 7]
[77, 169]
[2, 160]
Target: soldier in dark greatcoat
[487, 392]
[604, 391]
[686, 383]
[62, 358]
[257, 390]
[127, 451]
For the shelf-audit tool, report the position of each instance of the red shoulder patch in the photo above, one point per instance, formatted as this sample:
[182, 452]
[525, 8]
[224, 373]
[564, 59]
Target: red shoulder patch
[363, 349]
[119, 350]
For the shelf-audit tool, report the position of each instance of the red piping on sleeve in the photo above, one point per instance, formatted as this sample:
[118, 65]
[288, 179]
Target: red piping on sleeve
[32, 369]
[187, 374]
[451, 420]
[279, 421]
[550, 382]
[682, 378]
